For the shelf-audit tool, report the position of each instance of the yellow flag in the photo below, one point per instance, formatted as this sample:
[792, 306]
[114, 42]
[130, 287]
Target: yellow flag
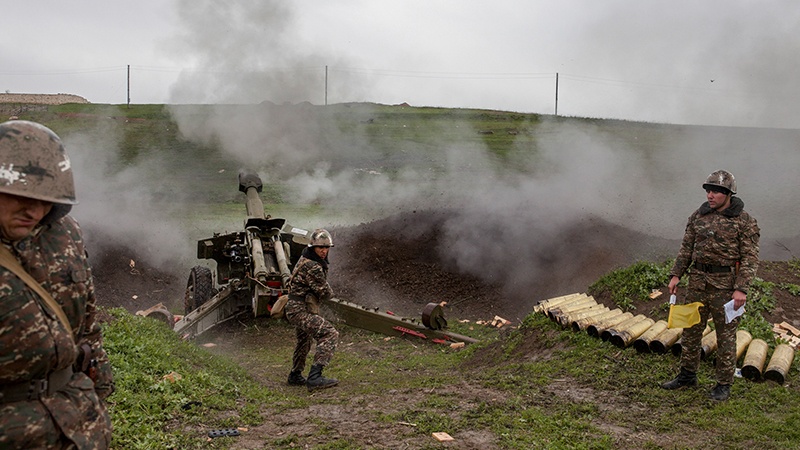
[684, 316]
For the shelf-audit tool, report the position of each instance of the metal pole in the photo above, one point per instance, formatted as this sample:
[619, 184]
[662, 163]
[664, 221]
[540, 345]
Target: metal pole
[129, 85]
[326, 85]
[556, 93]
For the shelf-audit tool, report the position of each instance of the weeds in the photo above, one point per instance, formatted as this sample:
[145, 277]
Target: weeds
[632, 283]
[794, 263]
[760, 299]
[791, 288]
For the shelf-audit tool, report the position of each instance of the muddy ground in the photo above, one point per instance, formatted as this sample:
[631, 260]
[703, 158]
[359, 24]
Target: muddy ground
[384, 264]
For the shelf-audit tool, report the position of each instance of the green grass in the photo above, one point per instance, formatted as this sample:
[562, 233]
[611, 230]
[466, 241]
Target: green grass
[148, 410]
[760, 299]
[569, 399]
[633, 283]
[794, 263]
[790, 288]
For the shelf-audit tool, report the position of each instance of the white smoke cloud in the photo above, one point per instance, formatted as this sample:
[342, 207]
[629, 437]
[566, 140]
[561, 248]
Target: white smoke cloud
[134, 206]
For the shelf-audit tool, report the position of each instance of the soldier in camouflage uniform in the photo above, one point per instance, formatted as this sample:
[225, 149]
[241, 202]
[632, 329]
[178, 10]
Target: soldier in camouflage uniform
[307, 287]
[720, 252]
[54, 373]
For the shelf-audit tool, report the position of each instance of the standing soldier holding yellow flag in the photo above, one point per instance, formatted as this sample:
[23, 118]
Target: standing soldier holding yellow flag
[720, 251]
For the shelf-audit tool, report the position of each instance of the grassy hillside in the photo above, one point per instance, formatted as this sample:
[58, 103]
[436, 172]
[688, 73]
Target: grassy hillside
[390, 138]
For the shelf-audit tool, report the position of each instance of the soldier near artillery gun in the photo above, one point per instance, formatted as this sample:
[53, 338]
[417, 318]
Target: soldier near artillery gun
[54, 373]
[276, 269]
[307, 287]
[720, 252]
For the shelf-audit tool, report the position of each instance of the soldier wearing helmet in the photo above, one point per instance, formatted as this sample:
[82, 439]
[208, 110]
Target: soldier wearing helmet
[719, 252]
[721, 181]
[54, 373]
[321, 238]
[307, 287]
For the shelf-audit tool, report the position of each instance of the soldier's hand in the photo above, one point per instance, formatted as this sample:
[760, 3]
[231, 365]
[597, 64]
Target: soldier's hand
[673, 285]
[739, 299]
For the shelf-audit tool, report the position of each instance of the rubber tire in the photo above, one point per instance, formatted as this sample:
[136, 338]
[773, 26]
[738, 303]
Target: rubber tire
[199, 288]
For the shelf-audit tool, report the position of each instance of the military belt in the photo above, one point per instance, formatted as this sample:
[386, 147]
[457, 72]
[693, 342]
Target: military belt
[34, 389]
[711, 268]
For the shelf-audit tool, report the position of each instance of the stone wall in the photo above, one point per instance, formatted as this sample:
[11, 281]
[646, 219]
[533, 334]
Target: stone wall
[41, 99]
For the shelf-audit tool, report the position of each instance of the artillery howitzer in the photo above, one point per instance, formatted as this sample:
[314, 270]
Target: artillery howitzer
[253, 268]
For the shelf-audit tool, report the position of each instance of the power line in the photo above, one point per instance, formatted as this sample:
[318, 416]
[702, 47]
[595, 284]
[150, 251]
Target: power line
[444, 75]
[610, 82]
[224, 71]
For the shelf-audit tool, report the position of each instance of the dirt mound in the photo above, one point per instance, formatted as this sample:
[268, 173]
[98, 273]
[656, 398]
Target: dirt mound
[394, 264]
[123, 280]
[406, 260]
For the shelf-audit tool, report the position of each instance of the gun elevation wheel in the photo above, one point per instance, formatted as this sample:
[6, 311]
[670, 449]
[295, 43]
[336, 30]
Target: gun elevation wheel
[199, 288]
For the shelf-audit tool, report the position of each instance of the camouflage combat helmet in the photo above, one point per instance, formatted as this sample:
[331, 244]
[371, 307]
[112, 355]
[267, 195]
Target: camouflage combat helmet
[321, 238]
[34, 164]
[723, 179]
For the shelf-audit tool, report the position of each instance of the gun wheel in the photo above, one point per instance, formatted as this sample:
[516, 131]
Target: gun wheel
[199, 288]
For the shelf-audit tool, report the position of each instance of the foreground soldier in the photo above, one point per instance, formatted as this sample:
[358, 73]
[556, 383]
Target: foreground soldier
[720, 247]
[308, 286]
[54, 373]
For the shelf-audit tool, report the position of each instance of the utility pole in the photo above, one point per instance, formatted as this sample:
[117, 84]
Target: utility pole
[556, 93]
[326, 85]
[129, 85]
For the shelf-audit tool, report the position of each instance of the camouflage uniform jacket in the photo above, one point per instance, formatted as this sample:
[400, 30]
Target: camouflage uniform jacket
[34, 343]
[723, 238]
[310, 276]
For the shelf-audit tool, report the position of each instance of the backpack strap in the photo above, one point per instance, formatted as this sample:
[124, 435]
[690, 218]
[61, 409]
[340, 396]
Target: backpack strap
[8, 261]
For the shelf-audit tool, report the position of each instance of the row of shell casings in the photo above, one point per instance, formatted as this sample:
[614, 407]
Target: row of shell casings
[581, 312]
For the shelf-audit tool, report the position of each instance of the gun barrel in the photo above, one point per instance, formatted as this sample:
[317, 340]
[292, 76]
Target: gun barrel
[254, 205]
[257, 253]
[280, 257]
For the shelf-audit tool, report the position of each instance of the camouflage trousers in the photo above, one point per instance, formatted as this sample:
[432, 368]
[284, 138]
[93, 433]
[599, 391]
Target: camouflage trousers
[310, 327]
[713, 305]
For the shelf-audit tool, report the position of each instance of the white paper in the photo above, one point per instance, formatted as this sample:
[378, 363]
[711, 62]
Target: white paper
[731, 313]
[672, 299]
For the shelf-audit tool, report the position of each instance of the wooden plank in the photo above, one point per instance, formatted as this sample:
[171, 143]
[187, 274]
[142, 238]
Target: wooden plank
[442, 436]
[789, 327]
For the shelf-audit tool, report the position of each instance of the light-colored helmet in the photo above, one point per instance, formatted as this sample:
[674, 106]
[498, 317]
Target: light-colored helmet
[721, 178]
[34, 164]
[321, 238]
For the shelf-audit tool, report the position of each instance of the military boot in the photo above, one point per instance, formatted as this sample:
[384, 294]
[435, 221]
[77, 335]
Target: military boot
[684, 379]
[720, 393]
[317, 381]
[296, 378]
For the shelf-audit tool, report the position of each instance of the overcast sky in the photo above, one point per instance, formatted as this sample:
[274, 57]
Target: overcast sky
[731, 62]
